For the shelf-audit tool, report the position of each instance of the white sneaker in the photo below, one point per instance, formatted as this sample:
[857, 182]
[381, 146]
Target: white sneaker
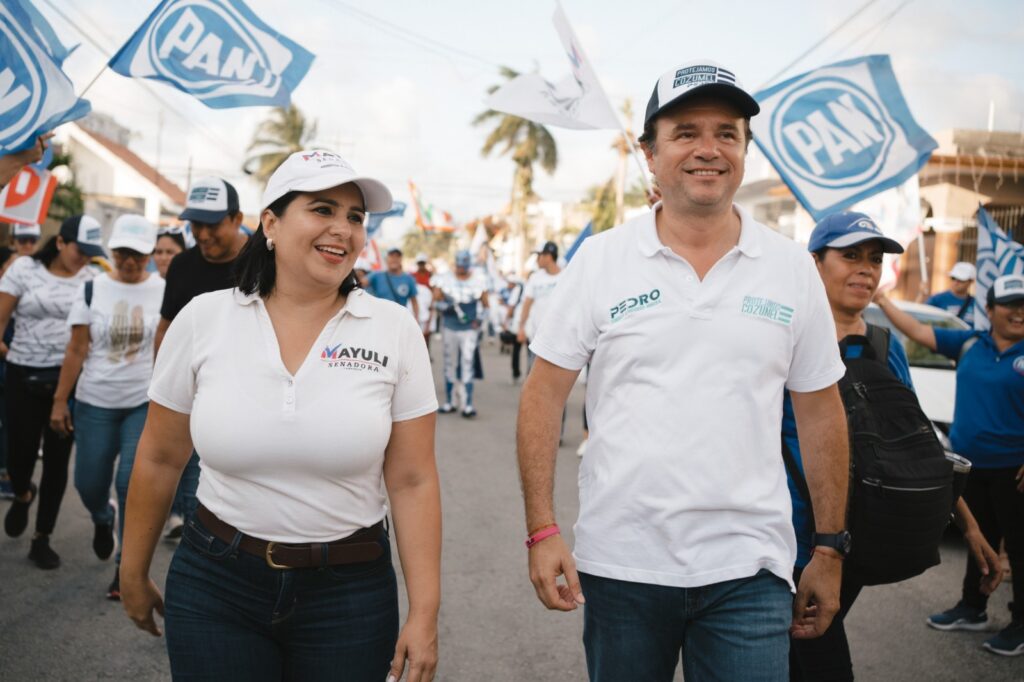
[581, 449]
[175, 523]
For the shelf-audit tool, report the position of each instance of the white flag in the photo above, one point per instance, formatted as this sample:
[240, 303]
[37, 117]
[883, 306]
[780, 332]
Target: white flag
[576, 101]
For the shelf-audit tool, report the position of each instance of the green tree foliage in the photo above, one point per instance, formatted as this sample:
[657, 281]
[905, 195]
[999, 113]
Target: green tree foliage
[67, 196]
[601, 201]
[280, 135]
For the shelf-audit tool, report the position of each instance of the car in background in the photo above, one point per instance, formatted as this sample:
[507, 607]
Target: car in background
[934, 375]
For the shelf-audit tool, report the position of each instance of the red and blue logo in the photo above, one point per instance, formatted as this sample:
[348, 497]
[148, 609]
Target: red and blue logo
[353, 357]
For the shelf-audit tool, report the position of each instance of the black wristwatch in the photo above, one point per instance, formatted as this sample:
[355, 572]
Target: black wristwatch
[841, 541]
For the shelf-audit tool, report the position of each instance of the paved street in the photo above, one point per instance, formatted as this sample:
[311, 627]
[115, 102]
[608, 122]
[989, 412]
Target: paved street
[57, 626]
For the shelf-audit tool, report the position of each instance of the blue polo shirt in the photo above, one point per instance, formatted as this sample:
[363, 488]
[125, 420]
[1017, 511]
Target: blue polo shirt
[988, 419]
[952, 303]
[898, 365]
[397, 288]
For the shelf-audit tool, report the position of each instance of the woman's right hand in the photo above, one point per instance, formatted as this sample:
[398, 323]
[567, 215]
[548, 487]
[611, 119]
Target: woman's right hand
[140, 598]
[60, 418]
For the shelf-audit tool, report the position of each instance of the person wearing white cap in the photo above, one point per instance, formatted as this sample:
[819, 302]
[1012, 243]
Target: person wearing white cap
[957, 299]
[108, 363]
[39, 291]
[25, 237]
[685, 519]
[287, 557]
[988, 429]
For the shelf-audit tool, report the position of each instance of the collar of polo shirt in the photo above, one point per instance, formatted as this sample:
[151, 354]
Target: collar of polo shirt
[356, 305]
[749, 243]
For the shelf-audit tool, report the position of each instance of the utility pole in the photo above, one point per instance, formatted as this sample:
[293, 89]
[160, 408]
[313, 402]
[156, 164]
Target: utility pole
[623, 146]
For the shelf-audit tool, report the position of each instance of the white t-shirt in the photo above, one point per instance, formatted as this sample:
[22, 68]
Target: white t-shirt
[293, 458]
[122, 321]
[41, 333]
[539, 287]
[684, 483]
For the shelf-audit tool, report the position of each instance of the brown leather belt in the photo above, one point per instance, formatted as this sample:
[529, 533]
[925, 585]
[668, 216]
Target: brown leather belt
[357, 548]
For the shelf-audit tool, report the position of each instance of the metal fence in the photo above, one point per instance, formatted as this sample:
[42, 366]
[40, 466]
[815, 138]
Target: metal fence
[1010, 218]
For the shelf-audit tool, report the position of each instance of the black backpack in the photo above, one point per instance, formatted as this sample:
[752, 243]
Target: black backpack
[901, 484]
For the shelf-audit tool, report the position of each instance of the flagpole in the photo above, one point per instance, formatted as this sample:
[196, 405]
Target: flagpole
[921, 258]
[93, 81]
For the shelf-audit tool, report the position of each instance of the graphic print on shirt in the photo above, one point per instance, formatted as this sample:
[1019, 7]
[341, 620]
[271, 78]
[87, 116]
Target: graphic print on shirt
[767, 309]
[1018, 365]
[353, 357]
[127, 332]
[634, 304]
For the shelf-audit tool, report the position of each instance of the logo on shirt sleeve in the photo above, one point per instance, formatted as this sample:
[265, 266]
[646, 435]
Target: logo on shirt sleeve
[1018, 365]
[767, 309]
[355, 358]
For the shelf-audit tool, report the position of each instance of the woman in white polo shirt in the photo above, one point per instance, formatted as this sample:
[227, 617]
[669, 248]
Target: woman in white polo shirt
[306, 398]
[110, 355]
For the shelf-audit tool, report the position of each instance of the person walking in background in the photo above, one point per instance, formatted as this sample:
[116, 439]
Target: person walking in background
[39, 290]
[424, 296]
[461, 299]
[848, 249]
[25, 238]
[394, 284]
[988, 429]
[7, 257]
[285, 572]
[957, 299]
[512, 300]
[212, 209]
[169, 243]
[110, 358]
[536, 296]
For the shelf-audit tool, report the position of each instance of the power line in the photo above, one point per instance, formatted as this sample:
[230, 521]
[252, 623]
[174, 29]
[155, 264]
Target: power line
[878, 26]
[818, 44]
[106, 54]
[418, 39]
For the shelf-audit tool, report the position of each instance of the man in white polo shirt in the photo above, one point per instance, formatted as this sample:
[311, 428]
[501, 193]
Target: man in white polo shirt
[694, 318]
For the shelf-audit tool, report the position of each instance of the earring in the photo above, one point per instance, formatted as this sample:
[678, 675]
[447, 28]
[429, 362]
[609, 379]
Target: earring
[270, 244]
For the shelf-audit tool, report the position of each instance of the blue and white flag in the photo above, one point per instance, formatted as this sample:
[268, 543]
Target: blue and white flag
[374, 220]
[840, 134]
[35, 95]
[998, 255]
[580, 238]
[217, 51]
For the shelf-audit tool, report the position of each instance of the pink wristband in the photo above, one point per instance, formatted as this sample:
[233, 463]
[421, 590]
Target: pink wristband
[541, 535]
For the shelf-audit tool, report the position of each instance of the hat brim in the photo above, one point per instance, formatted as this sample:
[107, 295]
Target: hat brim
[854, 238]
[198, 215]
[746, 104]
[133, 244]
[90, 250]
[376, 196]
[1009, 298]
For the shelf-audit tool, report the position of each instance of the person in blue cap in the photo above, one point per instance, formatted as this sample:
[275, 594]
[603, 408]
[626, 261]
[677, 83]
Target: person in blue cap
[988, 429]
[848, 249]
[460, 297]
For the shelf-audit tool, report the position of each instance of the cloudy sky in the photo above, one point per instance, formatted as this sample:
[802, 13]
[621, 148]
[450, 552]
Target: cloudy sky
[396, 83]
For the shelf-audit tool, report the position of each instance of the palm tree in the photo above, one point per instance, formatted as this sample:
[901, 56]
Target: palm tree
[283, 133]
[527, 143]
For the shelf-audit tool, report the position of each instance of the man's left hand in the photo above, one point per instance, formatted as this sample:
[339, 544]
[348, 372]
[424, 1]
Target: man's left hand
[817, 595]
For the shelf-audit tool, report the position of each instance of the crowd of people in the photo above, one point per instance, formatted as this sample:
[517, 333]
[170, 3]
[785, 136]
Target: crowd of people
[730, 548]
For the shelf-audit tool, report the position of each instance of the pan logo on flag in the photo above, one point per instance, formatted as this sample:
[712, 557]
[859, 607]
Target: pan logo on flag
[832, 133]
[21, 99]
[207, 43]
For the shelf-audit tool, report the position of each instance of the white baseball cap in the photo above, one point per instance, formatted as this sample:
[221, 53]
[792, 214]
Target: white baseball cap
[209, 201]
[702, 77]
[133, 232]
[314, 170]
[22, 231]
[422, 258]
[965, 272]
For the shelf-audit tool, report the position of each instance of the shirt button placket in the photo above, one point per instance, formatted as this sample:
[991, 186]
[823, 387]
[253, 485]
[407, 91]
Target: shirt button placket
[289, 395]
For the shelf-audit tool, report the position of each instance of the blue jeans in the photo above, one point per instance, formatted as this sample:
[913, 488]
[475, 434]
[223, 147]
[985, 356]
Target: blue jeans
[101, 434]
[185, 501]
[734, 630]
[230, 616]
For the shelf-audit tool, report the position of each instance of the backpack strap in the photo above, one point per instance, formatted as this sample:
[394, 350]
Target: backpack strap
[88, 294]
[964, 307]
[878, 339]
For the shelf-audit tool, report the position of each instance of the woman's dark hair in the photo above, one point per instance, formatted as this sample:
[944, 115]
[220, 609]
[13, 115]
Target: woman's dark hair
[5, 254]
[48, 252]
[176, 237]
[255, 270]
